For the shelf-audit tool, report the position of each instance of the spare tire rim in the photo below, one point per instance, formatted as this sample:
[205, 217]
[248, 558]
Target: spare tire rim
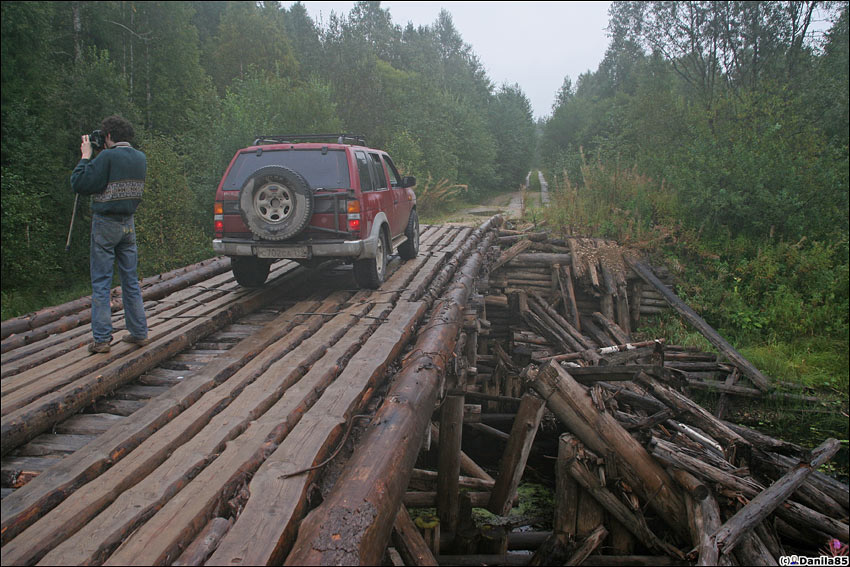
[273, 202]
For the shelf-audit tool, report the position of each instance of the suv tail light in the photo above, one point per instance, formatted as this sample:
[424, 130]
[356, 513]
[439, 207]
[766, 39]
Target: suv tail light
[218, 219]
[354, 216]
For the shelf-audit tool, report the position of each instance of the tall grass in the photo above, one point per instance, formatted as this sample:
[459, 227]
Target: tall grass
[433, 197]
[611, 202]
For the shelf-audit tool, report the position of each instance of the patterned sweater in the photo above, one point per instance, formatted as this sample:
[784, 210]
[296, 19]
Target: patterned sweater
[115, 178]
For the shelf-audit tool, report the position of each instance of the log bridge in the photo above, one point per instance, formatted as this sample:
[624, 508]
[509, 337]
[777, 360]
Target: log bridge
[295, 424]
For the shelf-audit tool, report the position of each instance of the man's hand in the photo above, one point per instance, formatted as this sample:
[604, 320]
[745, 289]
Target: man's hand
[85, 148]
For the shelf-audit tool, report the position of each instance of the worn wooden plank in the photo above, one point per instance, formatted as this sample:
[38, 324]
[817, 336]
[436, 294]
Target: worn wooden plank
[451, 428]
[275, 340]
[197, 552]
[50, 443]
[266, 528]
[88, 423]
[15, 472]
[97, 539]
[512, 464]
[408, 541]
[117, 407]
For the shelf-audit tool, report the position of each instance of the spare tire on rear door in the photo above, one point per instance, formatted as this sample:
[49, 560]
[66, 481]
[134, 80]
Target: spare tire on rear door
[276, 202]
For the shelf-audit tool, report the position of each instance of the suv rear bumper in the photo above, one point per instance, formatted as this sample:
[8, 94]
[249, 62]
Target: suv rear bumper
[355, 249]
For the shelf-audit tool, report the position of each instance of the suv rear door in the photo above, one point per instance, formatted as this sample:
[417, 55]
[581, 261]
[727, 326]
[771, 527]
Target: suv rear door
[403, 204]
[375, 192]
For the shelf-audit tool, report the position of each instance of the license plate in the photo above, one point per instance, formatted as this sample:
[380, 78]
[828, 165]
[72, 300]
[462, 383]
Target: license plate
[283, 252]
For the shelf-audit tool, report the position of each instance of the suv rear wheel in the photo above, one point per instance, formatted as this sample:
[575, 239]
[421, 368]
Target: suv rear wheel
[250, 271]
[369, 273]
[410, 248]
[276, 202]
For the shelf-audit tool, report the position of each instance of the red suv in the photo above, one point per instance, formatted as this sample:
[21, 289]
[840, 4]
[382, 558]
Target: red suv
[311, 198]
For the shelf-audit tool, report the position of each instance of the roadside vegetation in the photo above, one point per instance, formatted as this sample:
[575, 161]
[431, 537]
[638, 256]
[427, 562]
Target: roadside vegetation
[727, 162]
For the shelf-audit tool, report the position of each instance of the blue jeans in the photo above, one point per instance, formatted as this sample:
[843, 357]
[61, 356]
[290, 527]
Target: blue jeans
[114, 238]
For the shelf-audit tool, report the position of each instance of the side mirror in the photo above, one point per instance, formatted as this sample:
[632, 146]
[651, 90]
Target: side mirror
[408, 181]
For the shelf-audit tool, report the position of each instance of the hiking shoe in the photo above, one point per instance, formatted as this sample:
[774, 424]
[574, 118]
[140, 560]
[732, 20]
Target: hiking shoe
[96, 347]
[136, 340]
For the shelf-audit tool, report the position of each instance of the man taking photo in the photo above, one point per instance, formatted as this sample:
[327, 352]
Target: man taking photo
[116, 180]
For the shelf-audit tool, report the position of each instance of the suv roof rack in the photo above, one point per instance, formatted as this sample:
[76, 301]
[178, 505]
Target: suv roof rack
[339, 138]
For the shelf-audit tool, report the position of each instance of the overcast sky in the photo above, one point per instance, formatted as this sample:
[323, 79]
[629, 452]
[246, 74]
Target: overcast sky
[535, 44]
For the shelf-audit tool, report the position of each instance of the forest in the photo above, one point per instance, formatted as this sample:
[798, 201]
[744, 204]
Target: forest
[712, 134]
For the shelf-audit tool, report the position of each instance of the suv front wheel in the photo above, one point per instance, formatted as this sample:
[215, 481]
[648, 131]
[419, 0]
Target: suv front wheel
[409, 249]
[369, 273]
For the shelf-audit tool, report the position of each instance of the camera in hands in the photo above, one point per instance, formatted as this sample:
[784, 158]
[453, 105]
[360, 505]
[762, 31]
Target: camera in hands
[97, 140]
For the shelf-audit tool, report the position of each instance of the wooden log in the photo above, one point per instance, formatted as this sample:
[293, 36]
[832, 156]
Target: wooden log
[597, 334]
[428, 499]
[409, 542]
[262, 534]
[752, 551]
[571, 307]
[761, 381]
[553, 551]
[703, 515]
[632, 521]
[748, 517]
[538, 259]
[451, 428]
[526, 540]
[523, 237]
[561, 322]
[832, 488]
[736, 448]
[467, 465]
[516, 453]
[474, 483]
[197, 552]
[609, 290]
[572, 405]
[491, 431]
[377, 474]
[692, 485]
[619, 336]
[790, 511]
[635, 301]
[553, 326]
[736, 390]
[622, 310]
[588, 546]
[566, 489]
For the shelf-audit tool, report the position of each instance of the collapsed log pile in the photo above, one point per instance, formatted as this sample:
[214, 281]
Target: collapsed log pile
[643, 474]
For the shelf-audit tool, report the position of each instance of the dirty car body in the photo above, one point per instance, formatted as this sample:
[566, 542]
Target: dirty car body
[303, 198]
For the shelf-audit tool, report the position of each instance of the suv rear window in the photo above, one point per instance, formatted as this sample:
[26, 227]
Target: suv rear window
[321, 170]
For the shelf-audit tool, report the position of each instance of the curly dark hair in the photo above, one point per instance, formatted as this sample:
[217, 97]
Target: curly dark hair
[120, 128]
